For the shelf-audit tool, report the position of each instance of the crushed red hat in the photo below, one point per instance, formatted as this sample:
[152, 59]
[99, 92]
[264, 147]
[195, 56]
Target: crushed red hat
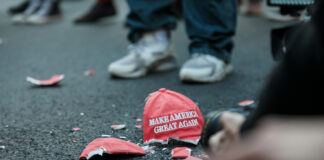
[102, 146]
[171, 115]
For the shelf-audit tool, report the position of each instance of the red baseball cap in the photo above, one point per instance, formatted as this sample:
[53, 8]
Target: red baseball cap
[171, 115]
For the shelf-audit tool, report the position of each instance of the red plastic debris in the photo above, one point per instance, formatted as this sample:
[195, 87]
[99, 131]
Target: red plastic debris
[138, 120]
[192, 158]
[181, 152]
[75, 129]
[117, 127]
[89, 72]
[74, 141]
[138, 126]
[102, 146]
[171, 115]
[52, 81]
[245, 103]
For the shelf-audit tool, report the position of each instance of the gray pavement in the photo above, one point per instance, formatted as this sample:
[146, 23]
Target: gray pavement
[36, 123]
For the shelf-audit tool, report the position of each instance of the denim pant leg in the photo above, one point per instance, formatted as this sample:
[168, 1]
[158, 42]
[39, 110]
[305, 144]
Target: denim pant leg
[149, 15]
[210, 25]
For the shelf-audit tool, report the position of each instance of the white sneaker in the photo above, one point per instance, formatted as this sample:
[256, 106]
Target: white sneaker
[152, 53]
[49, 12]
[204, 68]
[31, 9]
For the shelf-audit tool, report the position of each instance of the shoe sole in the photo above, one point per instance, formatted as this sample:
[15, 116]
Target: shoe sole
[186, 77]
[164, 64]
[19, 19]
[47, 20]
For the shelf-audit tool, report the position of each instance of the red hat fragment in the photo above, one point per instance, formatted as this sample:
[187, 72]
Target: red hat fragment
[171, 115]
[89, 72]
[246, 103]
[100, 146]
[181, 152]
[52, 81]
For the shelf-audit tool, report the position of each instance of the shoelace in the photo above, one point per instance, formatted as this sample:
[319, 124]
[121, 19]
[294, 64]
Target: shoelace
[138, 48]
[200, 58]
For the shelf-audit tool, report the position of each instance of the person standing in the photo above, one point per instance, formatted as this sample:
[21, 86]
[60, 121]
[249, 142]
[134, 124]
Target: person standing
[36, 12]
[210, 26]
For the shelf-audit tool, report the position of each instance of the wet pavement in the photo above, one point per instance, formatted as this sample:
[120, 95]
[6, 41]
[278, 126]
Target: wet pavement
[36, 123]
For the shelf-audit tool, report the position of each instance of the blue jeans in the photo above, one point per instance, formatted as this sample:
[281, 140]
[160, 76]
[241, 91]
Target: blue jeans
[210, 24]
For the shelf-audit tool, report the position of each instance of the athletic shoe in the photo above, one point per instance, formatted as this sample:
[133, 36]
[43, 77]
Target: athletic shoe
[32, 8]
[97, 12]
[204, 68]
[152, 53]
[20, 8]
[49, 12]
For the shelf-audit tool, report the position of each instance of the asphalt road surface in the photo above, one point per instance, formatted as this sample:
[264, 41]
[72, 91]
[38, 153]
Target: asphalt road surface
[36, 123]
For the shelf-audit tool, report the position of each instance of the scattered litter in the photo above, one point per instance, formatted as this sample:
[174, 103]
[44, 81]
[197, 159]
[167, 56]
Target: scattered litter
[2, 147]
[204, 156]
[76, 129]
[138, 126]
[122, 137]
[181, 152]
[246, 103]
[74, 141]
[89, 72]
[52, 81]
[105, 135]
[117, 127]
[152, 151]
[138, 120]
[192, 158]
[171, 115]
[166, 151]
[101, 146]
[81, 114]
[148, 148]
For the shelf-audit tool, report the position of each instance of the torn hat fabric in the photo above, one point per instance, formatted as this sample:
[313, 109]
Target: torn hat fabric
[101, 146]
[171, 115]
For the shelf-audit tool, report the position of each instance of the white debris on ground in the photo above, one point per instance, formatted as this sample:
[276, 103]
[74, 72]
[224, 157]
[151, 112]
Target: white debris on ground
[105, 135]
[148, 148]
[118, 127]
